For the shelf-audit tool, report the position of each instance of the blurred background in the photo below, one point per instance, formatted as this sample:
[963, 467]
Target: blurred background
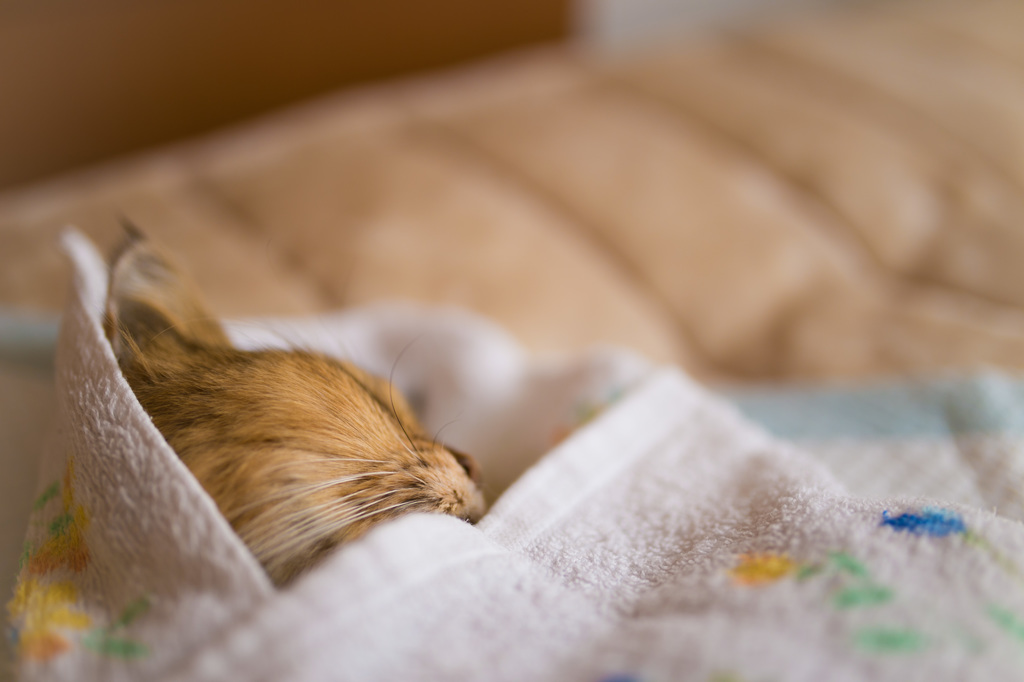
[84, 82]
[765, 192]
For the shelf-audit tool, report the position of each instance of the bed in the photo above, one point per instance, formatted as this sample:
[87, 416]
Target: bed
[818, 218]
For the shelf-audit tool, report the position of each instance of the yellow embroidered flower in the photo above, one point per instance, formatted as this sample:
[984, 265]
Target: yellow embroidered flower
[43, 610]
[761, 569]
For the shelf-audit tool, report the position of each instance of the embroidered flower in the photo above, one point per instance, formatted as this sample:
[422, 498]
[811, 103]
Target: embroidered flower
[110, 641]
[45, 610]
[43, 613]
[761, 569]
[932, 521]
[65, 547]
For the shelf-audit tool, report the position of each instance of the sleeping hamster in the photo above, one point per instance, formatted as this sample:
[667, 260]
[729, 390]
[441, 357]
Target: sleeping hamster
[301, 452]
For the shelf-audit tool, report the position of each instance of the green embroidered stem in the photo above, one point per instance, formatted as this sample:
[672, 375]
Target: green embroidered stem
[808, 571]
[130, 613]
[890, 640]
[869, 595]
[60, 525]
[26, 554]
[1007, 621]
[104, 640]
[102, 643]
[847, 564]
[975, 540]
[47, 495]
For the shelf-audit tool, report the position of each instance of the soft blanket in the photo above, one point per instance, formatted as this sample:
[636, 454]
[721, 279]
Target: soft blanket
[830, 197]
[666, 538]
[953, 437]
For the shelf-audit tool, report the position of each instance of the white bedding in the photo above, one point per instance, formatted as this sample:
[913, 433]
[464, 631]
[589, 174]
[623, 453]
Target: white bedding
[667, 538]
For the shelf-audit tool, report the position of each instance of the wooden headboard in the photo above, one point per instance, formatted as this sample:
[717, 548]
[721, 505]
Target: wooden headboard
[80, 82]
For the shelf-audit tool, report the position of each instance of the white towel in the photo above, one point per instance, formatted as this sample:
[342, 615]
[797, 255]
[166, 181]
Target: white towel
[666, 538]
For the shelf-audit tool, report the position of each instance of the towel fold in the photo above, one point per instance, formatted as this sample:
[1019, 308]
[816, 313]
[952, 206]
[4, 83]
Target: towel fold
[644, 531]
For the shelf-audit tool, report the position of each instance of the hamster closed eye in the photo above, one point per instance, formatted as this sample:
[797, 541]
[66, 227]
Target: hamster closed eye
[301, 452]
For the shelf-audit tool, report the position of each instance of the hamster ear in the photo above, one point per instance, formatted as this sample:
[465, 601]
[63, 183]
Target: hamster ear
[151, 304]
[468, 464]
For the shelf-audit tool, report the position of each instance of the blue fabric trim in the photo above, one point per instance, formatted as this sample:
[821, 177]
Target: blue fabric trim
[984, 403]
[28, 339]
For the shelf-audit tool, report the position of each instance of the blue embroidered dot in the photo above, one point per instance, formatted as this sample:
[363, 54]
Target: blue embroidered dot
[931, 521]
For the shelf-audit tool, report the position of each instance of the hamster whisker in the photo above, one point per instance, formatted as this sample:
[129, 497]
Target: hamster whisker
[325, 460]
[391, 389]
[376, 512]
[330, 509]
[338, 459]
[317, 527]
[299, 490]
[445, 426]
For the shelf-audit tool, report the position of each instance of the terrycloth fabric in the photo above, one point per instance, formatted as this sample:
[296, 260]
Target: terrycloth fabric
[955, 438]
[668, 538]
